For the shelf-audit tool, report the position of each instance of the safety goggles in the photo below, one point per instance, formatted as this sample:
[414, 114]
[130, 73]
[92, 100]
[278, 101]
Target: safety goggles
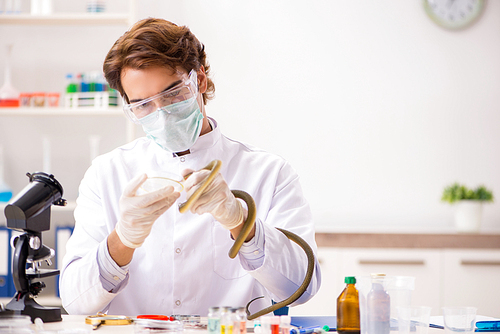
[186, 90]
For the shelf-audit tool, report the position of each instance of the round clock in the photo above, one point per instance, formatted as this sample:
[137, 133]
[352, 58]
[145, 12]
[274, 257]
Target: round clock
[454, 14]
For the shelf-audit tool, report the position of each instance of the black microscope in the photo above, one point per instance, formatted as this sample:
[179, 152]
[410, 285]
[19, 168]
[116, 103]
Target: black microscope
[29, 212]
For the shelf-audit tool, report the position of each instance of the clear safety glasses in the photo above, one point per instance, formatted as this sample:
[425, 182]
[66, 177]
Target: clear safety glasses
[184, 91]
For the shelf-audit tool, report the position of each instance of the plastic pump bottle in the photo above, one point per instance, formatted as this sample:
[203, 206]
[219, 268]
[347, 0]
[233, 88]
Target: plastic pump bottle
[348, 308]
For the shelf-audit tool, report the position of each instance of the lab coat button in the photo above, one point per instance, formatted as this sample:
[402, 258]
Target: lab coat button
[116, 278]
[178, 250]
[256, 252]
[183, 159]
[178, 302]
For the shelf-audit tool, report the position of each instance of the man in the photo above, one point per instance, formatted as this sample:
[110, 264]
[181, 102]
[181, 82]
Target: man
[134, 253]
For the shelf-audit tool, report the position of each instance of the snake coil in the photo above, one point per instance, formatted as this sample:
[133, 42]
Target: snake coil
[214, 168]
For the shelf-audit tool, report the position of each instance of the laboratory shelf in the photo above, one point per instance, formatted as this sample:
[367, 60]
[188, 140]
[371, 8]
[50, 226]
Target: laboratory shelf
[58, 111]
[71, 112]
[67, 19]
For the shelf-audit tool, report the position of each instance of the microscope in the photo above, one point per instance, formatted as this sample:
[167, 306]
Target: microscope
[29, 212]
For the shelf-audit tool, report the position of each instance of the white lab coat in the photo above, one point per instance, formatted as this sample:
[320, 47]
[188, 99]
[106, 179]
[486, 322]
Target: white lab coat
[183, 266]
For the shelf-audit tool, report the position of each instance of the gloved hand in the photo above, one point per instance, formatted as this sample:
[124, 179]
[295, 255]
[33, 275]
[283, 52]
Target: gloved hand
[217, 199]
[139, 212]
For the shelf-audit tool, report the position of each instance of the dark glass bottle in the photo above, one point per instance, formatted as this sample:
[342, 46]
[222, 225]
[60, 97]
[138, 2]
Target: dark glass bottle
[348, 308]
[378, 305]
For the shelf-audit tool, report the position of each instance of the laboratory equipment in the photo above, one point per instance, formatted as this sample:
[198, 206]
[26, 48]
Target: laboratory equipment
[310, 330]
[214, 320]
[154, 183]
[214, 168]
[348, 308]
[378, 305]
[414, 319]
[386, 294]
[103, 319]
[29, 211]
[9, 96]
[285, 324]
[5, 190]
[459, 320]
[146, 326]
[15, 324]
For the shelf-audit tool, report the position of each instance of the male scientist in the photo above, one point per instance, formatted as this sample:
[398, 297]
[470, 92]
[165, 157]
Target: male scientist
[133, 252]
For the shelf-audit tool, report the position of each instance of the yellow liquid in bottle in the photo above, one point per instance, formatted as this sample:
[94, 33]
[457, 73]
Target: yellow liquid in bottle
[225, 329]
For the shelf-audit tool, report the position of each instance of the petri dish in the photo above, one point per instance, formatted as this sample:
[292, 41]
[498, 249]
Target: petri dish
[158, 182]
[146, 326]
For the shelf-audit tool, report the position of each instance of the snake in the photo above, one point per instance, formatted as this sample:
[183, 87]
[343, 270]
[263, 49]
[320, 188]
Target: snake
[214, 168]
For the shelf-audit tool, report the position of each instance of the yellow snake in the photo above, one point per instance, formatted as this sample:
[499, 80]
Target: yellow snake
[214, 167]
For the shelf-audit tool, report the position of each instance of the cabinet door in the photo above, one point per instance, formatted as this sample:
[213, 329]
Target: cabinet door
[472, 278]
[325, 301]
[423, 264]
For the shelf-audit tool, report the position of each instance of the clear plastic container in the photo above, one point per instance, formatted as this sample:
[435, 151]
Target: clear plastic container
[397, 288]
[146, 326]
[15, 324]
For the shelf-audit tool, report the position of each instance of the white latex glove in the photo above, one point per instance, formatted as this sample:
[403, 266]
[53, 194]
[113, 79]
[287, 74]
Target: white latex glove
[139, 212]
[217, 199]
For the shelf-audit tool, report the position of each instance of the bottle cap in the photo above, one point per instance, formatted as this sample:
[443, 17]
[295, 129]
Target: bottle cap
[350, 280]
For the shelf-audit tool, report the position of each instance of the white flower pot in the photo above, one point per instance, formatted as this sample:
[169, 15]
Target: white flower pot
[468, 215]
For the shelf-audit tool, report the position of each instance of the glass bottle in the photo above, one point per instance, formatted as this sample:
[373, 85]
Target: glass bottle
[242, 319]
[378, 304]
[348, 308]
[226, 321]
[213, 325]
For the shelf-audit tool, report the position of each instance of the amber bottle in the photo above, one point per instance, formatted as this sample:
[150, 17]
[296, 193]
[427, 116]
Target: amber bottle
[348, 308]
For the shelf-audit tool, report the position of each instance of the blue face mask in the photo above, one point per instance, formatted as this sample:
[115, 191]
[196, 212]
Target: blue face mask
[175, 127]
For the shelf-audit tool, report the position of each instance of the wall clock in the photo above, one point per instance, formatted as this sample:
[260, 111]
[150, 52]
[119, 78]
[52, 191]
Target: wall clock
[454, 14]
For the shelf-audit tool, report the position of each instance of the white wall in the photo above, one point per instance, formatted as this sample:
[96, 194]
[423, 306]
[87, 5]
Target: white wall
[375, 106]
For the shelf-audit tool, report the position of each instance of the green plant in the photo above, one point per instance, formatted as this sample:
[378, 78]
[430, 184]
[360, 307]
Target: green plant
[457, 192]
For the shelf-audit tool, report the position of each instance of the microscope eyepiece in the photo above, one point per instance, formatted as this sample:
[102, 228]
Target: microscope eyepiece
[28, 210]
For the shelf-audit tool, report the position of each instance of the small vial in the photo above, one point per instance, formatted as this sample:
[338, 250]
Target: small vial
[226, 321]
[242, 318]
[285, 324]
[275, 325]
[213, 320]
[265, 322]
[257, 328]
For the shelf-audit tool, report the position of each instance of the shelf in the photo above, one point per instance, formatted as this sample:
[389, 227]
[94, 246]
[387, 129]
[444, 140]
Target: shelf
[66, 19]
[59, 111]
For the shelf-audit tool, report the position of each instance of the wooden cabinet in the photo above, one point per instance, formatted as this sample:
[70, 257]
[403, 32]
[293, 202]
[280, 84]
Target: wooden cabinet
[472, 278]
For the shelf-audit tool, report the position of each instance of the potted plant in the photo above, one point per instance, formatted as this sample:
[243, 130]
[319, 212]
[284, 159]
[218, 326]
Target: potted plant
[468, 205]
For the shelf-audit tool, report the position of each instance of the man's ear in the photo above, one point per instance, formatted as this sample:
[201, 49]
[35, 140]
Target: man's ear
[202, 80]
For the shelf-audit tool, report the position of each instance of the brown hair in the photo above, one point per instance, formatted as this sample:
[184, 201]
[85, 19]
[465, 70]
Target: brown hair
[156, 42]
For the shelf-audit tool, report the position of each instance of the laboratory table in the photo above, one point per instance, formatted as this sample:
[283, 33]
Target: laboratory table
[78, 321]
